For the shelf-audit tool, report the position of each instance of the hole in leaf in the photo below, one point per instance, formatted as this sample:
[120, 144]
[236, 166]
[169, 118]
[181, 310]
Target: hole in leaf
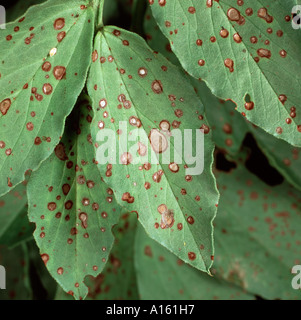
[247, 98]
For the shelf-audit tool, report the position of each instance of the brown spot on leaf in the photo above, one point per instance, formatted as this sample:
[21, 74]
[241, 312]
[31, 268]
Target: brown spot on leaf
[60, 152]
[59, 72]
[47, 88]
[127, 197]
[61, 36]
[59, 24]
[157, 87]
[4, 106]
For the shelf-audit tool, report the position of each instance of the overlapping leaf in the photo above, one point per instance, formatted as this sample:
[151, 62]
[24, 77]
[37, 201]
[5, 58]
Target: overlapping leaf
[257, 234]
[247, 51]
[73, 208]
[128, 82]
[228, 126]
[118, 279]
[44, 60]
[161, 275]
[156, 39]
[230, 129]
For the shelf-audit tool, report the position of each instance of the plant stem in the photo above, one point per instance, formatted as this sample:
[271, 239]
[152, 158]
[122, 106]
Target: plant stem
[98, 7]
[138, 16]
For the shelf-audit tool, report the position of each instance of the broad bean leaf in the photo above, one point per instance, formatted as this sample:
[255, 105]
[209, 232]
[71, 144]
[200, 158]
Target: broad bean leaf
[72, 207]
[257, 234]
[128, 82]
[228, 126]
[44, 61]
[14, 227]
[118, 279]
[16, 264]
[246, 51]
[161, 275]
[156, 39]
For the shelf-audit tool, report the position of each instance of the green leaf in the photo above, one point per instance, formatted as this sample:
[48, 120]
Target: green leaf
[44, 62]
[16, 264]
[229, 127]
[257, 234]
[14, 227]
[128, 82]
[73, 208]
[118, 279]
[162, 276]
[245, 52]
[155, 38]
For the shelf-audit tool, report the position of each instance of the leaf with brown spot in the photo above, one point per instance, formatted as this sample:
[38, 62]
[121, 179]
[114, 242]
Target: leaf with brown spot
[73, 209]
[162, 276]
[257, 233]
[35, 100]
[151, 95]
[228, 126]
[241, 49]
[118, 279]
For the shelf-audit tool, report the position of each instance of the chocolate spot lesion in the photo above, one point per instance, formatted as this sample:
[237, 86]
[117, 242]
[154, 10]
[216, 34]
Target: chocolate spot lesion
[60, 152]
[4, 106]
[167, 216]
[59, 72]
